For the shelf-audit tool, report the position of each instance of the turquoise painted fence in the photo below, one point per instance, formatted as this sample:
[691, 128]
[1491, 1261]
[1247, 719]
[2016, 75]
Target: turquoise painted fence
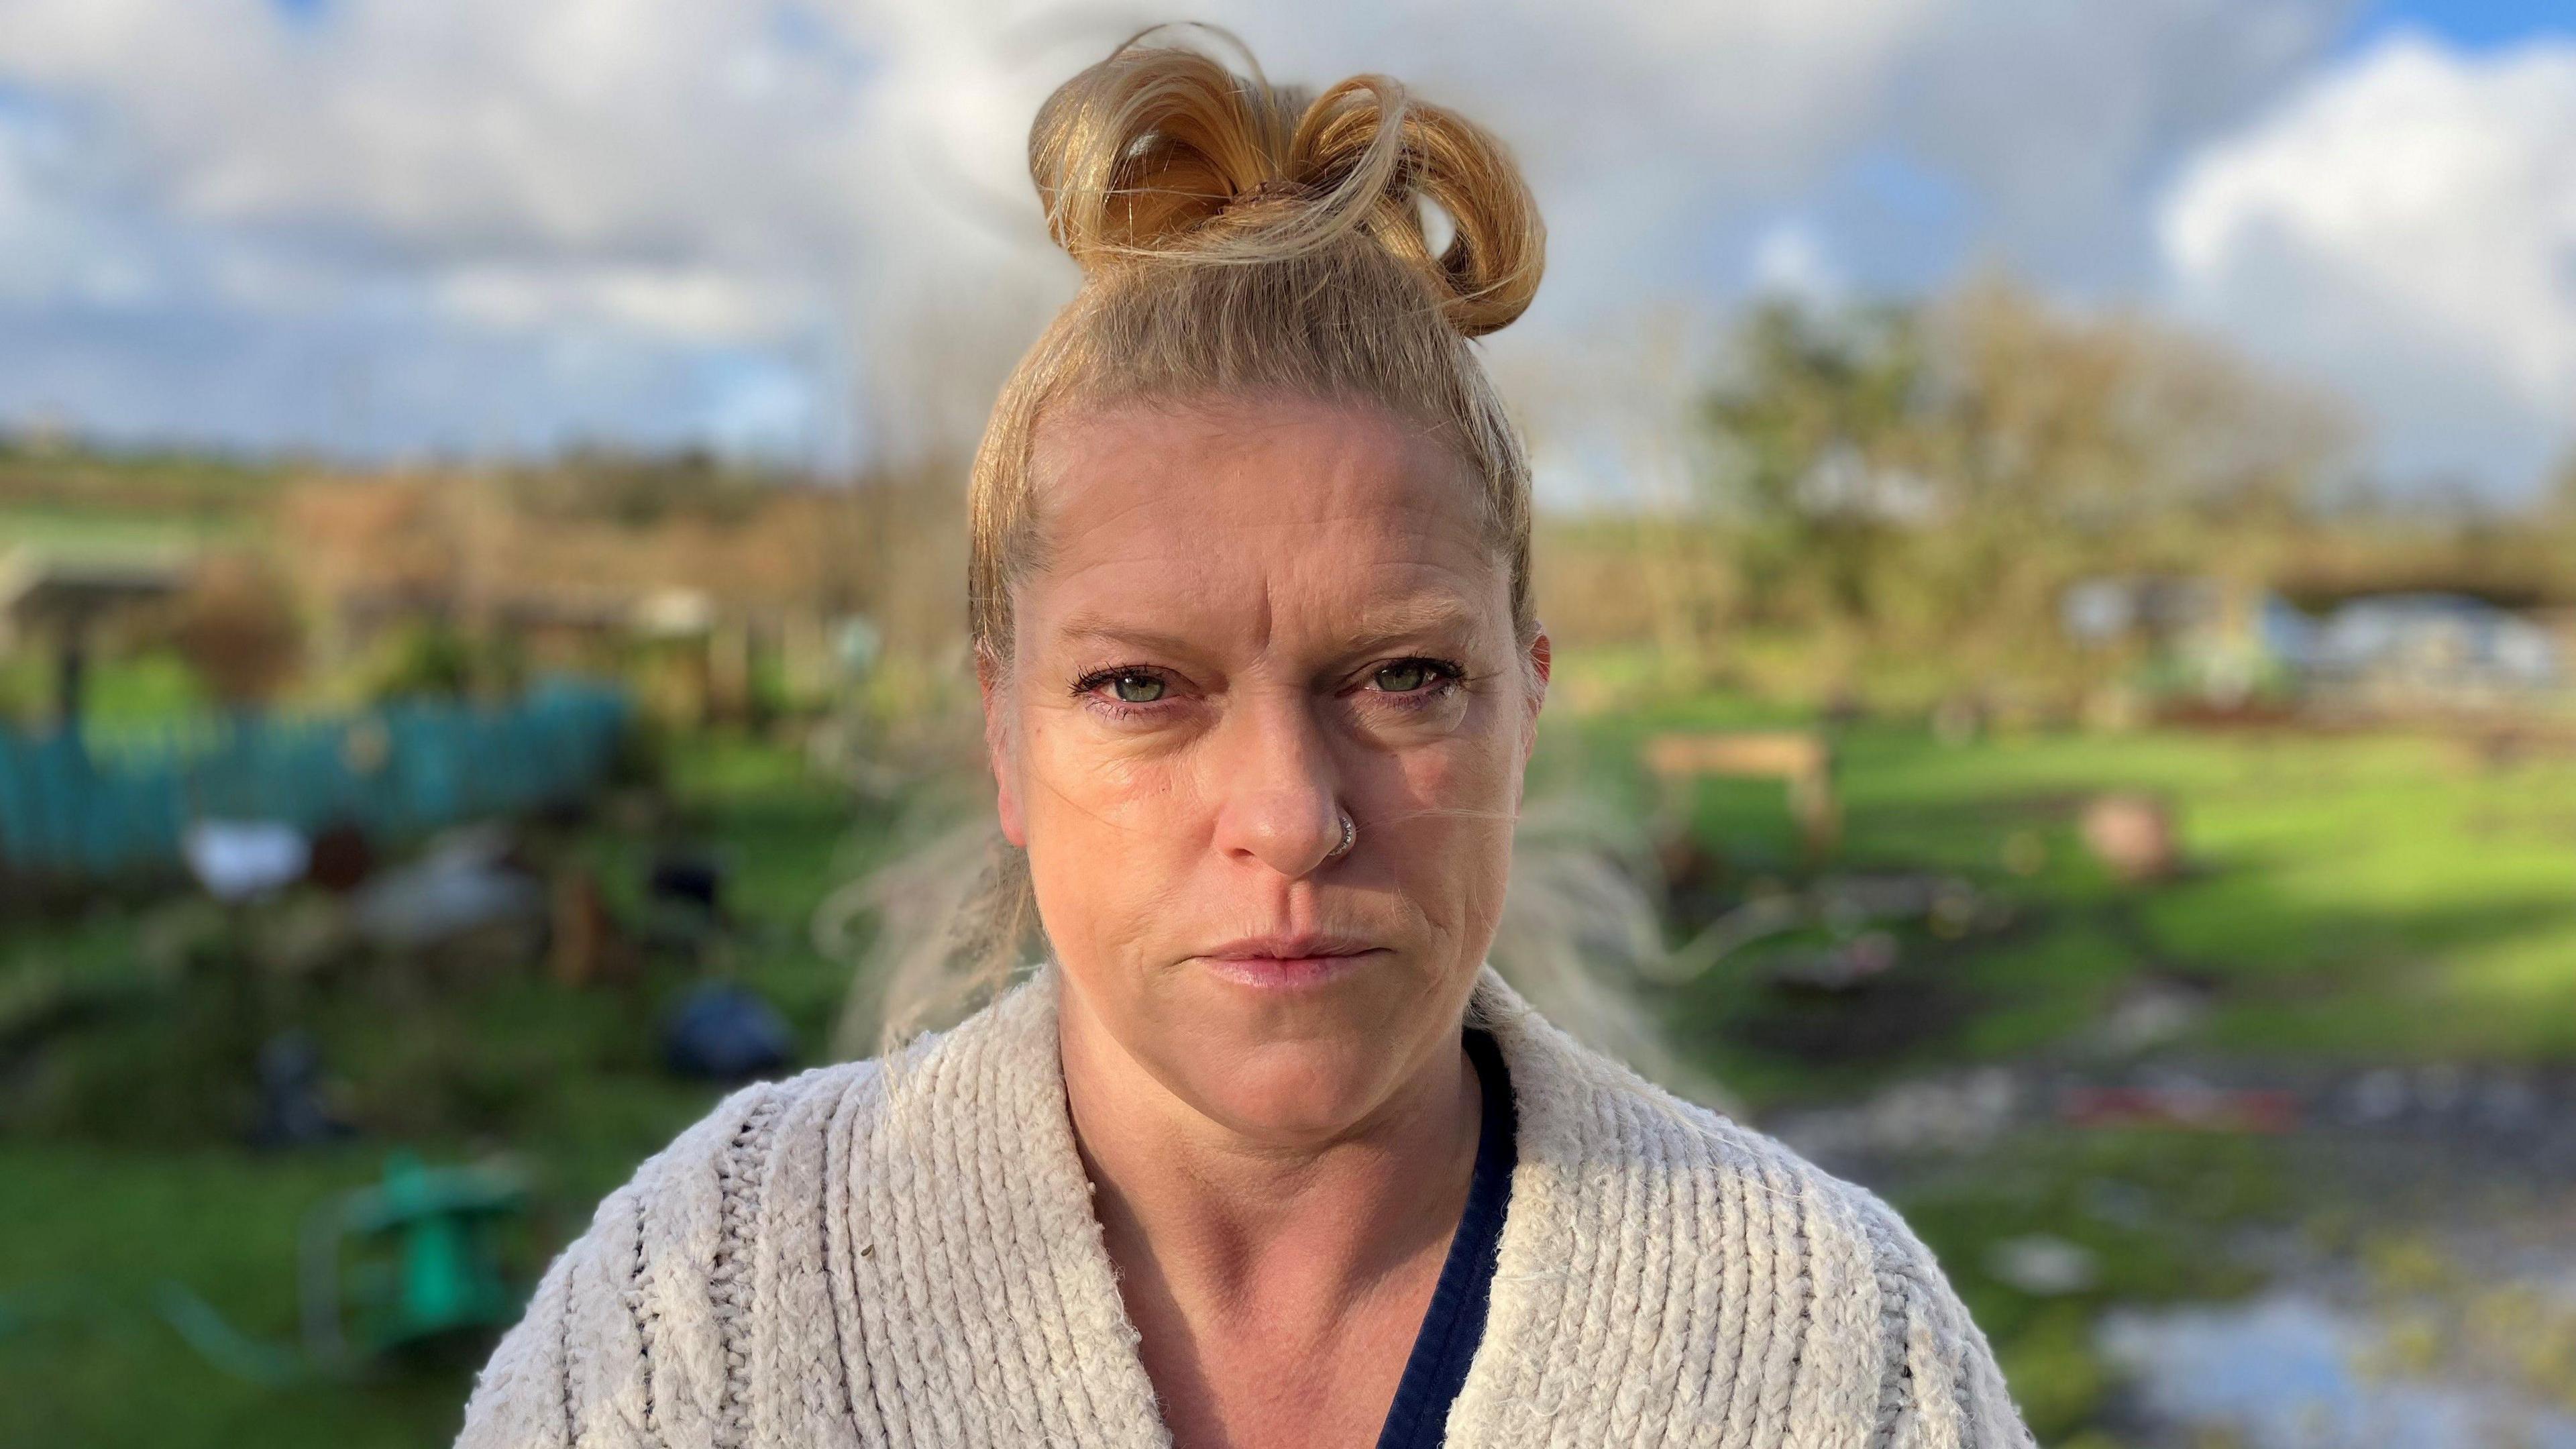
[99, 807]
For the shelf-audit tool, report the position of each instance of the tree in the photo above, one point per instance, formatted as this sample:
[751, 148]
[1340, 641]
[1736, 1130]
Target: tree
[238, 628]
[1816, 414]
[1925, 482]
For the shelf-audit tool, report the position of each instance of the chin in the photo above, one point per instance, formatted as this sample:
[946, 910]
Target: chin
[1301, 1091]
[1299, 1064]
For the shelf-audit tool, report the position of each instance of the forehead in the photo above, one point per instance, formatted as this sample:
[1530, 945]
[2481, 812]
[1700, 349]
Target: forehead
[1198, 513]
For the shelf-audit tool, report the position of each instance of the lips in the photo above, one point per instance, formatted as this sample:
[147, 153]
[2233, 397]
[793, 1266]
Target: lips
[1282, 962]
[1305, 946]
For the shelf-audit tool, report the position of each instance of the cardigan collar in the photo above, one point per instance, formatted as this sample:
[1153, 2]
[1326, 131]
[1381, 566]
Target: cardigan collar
[1633, 1278]
[972, 1168]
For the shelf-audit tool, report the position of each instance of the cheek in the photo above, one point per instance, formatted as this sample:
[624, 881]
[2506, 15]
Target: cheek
[1469, 780]
[1086, 783]
[1445, 814]
[1108, 827]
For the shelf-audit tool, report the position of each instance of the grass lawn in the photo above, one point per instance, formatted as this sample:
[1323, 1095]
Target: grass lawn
[2368, 898]
[2359, 899]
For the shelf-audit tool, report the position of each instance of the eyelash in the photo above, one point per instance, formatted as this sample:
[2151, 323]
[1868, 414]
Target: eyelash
[1446, 676]
[1115, 708]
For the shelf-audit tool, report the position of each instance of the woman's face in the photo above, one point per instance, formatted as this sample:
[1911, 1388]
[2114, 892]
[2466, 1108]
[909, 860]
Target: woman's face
[1246, 619]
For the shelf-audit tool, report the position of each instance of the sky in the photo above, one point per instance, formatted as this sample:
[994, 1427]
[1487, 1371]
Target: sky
[802, 229]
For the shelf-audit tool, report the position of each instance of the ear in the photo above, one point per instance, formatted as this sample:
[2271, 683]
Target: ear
[992, 689]
[1542, 660]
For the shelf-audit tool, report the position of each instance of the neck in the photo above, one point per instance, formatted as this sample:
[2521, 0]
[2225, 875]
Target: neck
[1220, 1223]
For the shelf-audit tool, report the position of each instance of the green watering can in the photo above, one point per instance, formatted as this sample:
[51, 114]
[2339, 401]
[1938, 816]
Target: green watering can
[410, 1260]
[427, 1257]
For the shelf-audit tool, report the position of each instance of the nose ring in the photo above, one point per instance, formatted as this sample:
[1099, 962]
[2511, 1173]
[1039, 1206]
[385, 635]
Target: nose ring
[1350, 837]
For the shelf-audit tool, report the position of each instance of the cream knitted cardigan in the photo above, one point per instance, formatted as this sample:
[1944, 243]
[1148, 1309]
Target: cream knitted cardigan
[857, 1257]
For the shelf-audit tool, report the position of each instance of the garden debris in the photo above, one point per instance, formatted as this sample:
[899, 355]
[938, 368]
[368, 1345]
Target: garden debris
[2188, 1105]
[294, 1110]
[687, 878]
[1695, 878]
[236, 860]
[1956, 1113]
[1855, 910]
[2043, 1265]
[342, 858]
[1842, 967]
[585, 945]
[2154, 1011]
[684, 915]
[725, 1032]
[2442, 1094]
[2134, 837]
[465, 882]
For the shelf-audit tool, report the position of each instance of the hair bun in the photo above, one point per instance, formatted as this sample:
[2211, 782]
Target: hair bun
[1161, 152]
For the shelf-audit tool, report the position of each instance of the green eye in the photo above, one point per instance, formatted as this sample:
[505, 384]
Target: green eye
[1404, 676]
[1137, 688]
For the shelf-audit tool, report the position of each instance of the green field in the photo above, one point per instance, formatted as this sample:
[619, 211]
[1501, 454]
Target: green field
[2364, 899]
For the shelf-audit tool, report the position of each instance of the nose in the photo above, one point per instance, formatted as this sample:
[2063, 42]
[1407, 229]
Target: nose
[1279, 791]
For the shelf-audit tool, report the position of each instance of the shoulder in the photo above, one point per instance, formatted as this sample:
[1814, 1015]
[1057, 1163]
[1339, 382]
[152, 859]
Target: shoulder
[1603, 1122]
[1673, 1257]
[1833, 1214]
[837, 1258]
[1926, 1366]
[635, 1332]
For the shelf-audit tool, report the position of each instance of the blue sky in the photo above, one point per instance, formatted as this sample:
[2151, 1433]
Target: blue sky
[2471, 23]
[802, 228]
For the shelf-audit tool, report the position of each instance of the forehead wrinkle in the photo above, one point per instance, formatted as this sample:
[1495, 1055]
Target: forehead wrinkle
[1417, 613]
[1407, 532]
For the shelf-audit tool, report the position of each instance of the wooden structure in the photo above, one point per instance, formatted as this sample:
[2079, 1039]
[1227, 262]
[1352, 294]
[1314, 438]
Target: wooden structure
[69, 598]
[1802, 759]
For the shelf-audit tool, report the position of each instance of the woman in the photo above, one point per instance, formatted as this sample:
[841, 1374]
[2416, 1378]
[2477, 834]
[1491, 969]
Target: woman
[1263, 1154]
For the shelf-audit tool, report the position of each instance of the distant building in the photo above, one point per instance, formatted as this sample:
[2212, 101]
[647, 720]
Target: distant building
[2400, 650]
[2395, 646]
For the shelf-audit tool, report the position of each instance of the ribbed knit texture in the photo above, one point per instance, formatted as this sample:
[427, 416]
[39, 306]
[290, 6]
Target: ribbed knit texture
[907, 1255]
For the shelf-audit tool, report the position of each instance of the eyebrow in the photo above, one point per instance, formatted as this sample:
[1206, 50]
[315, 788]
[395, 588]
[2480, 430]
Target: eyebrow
[1408, 617]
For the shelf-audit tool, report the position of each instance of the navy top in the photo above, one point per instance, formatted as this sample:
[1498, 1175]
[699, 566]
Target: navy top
[1455, 1323]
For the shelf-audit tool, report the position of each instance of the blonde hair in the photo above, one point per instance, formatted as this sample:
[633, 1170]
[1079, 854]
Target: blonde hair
[1237, 238]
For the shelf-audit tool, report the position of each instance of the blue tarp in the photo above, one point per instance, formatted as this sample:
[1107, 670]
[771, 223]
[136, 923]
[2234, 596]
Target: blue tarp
[71, 807]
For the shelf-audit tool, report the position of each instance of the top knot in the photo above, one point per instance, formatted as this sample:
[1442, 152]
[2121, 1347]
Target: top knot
[1274, 189]
[1161, 153]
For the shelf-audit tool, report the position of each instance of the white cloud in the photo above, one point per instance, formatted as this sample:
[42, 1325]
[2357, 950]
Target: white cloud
[839, 186]
[2405, 228]
[1791, 261]
[2059, 118]
[696, 303]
